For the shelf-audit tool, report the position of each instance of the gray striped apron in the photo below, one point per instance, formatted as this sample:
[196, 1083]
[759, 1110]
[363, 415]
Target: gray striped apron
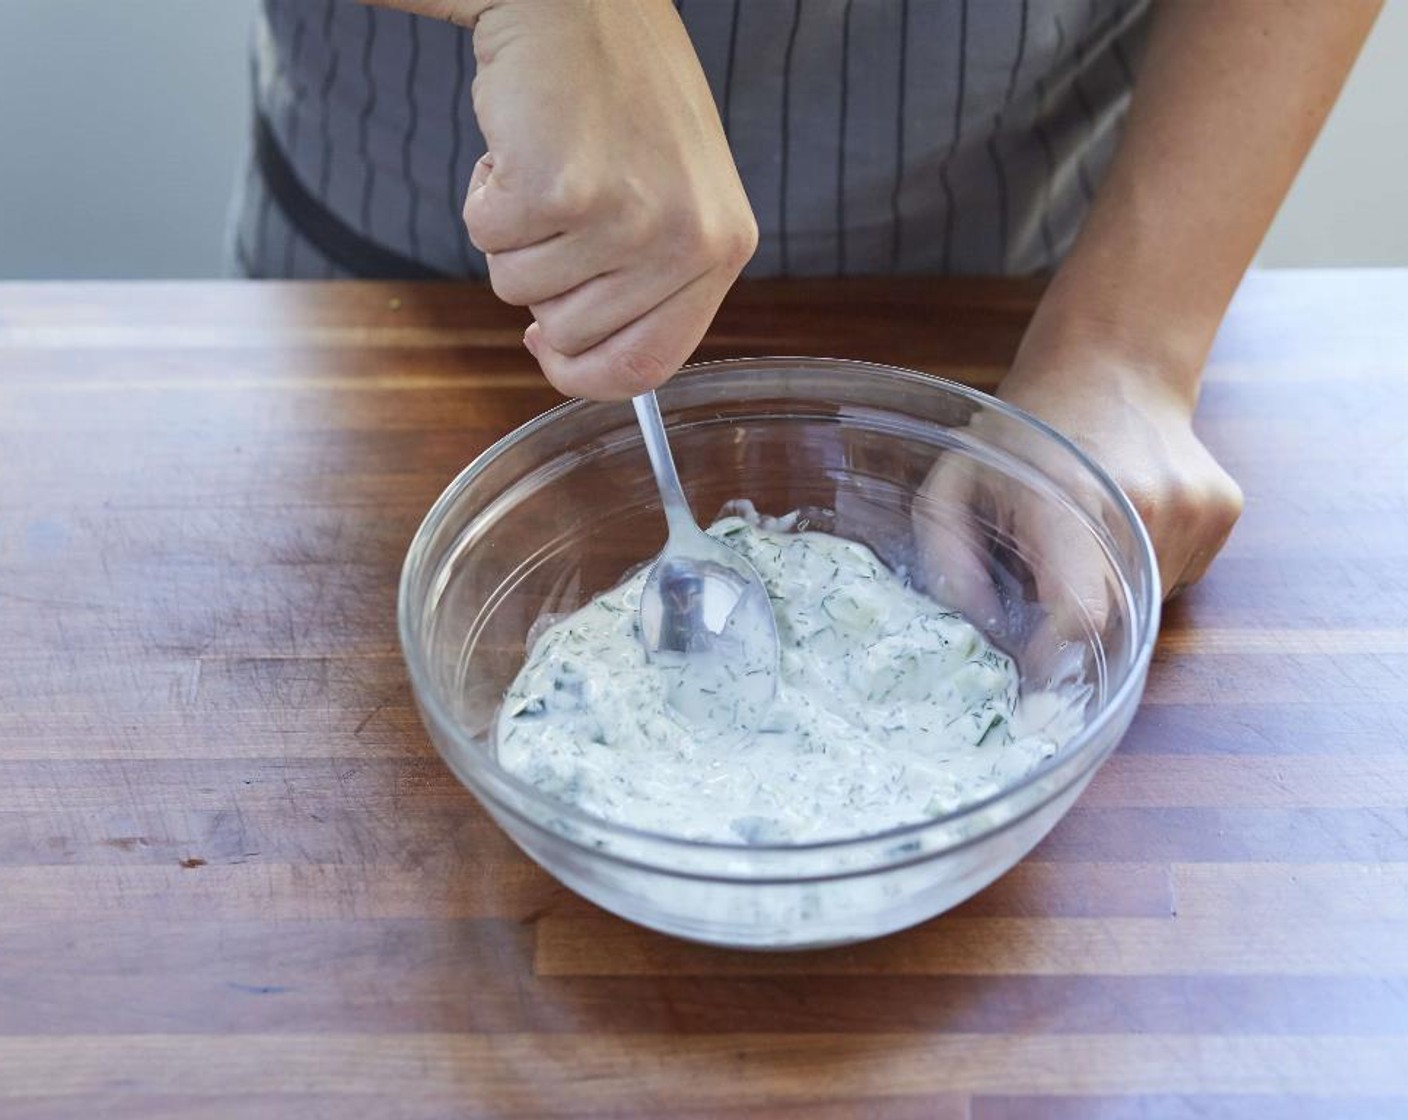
[872, 136]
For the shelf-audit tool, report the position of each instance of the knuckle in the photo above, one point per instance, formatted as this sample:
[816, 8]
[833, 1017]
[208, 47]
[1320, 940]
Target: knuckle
[477, 223]
[682, 228]
[638, 227]
[1233, 500]
[508, 286]
[567, 200]
[563, 335]
[738, 244]
[724, 246]
[1216, 501]
[1185, 503]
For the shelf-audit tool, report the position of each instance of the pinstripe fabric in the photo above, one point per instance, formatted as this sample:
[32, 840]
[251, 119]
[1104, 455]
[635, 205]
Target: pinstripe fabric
[873, 136]
[785, 126]
[999, 167]
[960, 62]
[901, 129]
[841, 111]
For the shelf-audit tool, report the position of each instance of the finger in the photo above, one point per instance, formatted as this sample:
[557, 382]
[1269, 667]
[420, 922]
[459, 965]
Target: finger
[1223, 520]
[642, 355]
[537, 274]
[480, 175]
[500, 216]
[1166, 501]
[1184, 546]
[618, 242]
[952, 548]
[586, 316]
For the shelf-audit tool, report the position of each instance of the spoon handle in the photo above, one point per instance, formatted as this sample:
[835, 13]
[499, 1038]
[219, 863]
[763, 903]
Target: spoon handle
[652, 426]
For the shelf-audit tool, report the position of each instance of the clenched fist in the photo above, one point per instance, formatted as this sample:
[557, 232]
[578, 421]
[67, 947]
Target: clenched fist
[608, 202]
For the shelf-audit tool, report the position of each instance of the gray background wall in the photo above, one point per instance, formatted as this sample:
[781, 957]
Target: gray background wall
[122, 123]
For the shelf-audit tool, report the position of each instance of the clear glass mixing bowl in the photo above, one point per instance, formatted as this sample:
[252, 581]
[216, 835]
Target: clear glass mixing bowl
[941, 481]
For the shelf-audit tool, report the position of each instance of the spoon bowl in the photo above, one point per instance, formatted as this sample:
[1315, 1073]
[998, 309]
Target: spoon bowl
[705, 615]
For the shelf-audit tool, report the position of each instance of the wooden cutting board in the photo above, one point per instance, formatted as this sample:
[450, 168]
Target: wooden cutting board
[235, 881]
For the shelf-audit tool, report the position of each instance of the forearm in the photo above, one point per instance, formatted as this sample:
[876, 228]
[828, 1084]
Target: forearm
[1231, 95]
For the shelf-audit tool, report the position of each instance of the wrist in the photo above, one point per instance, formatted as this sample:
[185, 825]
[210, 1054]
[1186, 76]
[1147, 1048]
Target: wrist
[1091, 359]
[1084, 333]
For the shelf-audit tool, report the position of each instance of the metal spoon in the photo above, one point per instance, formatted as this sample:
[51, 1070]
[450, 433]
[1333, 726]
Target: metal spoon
[705, 616]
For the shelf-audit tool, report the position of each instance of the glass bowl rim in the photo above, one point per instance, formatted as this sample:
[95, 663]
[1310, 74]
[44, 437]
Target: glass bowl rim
[433, 708]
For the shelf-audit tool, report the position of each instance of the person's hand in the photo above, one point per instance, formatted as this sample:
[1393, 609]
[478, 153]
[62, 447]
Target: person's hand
[608, 202]
[1131, 423]
[1141, 432]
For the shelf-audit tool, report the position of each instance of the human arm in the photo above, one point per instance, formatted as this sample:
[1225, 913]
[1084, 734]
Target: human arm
[1230, 96]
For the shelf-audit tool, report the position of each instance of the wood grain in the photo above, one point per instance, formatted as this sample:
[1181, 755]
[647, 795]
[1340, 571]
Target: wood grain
[506, 1071]
[236, 882]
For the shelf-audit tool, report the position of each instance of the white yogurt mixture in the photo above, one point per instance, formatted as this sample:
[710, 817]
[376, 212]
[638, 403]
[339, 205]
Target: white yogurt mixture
[890, 709]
